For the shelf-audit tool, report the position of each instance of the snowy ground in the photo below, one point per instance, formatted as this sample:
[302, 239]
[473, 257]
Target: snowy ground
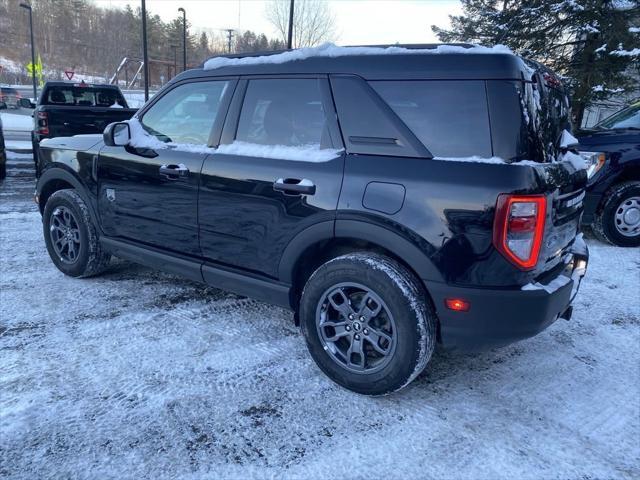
[16, 122]
[138, 374]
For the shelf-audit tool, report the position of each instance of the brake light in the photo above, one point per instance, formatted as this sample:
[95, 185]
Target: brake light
[519, 227]
[43, 123]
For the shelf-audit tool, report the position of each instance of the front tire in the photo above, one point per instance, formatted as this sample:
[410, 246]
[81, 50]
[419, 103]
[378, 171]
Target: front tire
[71, 237]
[367, 323]
[618, 220]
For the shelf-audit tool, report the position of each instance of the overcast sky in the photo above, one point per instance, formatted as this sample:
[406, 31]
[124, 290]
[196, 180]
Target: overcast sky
[358, 21]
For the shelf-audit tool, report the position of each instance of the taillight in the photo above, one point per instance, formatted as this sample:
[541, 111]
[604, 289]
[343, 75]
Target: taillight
[43, 123]
[519, 227]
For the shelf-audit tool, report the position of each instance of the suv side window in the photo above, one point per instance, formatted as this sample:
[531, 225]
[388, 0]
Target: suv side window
[449, 117]
[186, 113]
[285, 112]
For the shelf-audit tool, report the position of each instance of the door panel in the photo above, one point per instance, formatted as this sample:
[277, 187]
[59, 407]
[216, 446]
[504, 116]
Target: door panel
[138, 202]
[245, 223]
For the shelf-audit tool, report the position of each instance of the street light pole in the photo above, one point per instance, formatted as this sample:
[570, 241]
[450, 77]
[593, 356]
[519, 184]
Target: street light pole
[33, 51]
[290, 36]
[145, 55]
[184, 38]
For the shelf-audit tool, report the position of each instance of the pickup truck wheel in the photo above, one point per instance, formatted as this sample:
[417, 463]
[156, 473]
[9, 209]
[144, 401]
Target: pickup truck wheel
[71, 237]
[367, 323]
[618, 220]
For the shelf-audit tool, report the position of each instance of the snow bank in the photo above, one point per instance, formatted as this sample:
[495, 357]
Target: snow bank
[332, 51]
[308, 153]
[11, 121]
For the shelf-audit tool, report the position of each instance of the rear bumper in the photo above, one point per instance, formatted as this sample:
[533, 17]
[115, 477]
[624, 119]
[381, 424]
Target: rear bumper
[498, 317]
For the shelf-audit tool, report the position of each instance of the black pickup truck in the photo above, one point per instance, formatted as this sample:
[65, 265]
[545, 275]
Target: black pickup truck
[65, 109]
[393, 198]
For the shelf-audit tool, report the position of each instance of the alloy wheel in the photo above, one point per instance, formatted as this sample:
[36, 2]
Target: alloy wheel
[65, 234]
[356, 328]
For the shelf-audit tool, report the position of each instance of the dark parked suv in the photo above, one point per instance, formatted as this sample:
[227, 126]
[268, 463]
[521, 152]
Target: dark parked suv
[392, 198]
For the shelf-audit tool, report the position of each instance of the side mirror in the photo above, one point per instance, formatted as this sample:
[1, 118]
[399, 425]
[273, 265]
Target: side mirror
[117, 134]
[26, 103]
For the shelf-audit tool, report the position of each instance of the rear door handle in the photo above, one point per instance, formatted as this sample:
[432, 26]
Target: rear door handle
[294, 186]
[174, 172]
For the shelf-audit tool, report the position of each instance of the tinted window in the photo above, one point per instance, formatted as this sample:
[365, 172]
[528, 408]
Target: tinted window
[186, 113]
[449, 117]
[283, 112]
[83, 96]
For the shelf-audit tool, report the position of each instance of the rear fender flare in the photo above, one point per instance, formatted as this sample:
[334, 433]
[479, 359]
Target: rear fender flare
[398, 245]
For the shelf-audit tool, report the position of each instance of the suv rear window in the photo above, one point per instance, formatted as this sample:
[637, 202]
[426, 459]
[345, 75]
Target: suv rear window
[449, 117]
[83, 96]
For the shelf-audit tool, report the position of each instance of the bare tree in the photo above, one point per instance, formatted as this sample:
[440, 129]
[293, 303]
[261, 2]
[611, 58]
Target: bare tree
[313, 22]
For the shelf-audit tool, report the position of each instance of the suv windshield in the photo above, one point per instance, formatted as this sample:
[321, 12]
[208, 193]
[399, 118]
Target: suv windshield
[626, 118]
[87, 96]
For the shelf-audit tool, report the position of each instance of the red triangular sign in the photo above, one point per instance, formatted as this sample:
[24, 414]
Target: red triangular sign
[69, 74]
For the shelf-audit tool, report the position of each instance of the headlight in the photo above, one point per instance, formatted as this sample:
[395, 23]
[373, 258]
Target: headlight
[594, 161]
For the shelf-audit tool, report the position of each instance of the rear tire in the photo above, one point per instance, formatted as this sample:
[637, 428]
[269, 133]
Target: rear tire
[71, 237]
[616, 221]
[338, 318]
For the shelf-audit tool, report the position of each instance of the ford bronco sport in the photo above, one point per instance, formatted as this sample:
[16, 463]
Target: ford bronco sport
[393, 198]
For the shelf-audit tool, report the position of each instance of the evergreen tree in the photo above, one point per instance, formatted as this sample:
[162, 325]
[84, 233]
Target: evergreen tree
[593, 44]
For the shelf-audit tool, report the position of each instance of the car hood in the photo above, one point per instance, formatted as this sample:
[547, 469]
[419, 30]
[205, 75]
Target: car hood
[606, 137]
[79, 143]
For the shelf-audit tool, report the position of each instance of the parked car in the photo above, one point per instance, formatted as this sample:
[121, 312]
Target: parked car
[10, 97]
[612, 202]
[3, 154]
[65, 109]
[362, 191]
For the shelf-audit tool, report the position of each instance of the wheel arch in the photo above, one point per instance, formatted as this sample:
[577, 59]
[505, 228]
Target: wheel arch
[54, 179]
[322, 242]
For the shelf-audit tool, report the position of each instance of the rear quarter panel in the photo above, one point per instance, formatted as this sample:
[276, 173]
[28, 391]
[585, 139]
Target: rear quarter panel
[447, 212]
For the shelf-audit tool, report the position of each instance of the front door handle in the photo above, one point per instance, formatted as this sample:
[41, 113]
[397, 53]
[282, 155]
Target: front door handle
[174, 172]
[294, 186]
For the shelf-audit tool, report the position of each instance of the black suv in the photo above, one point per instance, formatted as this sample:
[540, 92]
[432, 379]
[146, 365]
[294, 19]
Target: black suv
[359, 187]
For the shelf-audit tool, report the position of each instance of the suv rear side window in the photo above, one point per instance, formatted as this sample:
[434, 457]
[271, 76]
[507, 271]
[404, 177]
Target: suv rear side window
[186, 113]
[449, 117]
[283, 112]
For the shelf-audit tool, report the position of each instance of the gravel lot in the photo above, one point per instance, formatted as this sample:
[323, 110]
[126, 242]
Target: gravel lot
[138, 374]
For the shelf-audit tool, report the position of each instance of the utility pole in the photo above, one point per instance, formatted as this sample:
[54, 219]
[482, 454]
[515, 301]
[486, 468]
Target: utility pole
[33, 51]
[184, 38]
[145, 55]
[290, 36]
[230, 32]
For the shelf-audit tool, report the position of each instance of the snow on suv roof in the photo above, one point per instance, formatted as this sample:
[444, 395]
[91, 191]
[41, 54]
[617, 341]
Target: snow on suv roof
[439, 61]
[332, 51]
